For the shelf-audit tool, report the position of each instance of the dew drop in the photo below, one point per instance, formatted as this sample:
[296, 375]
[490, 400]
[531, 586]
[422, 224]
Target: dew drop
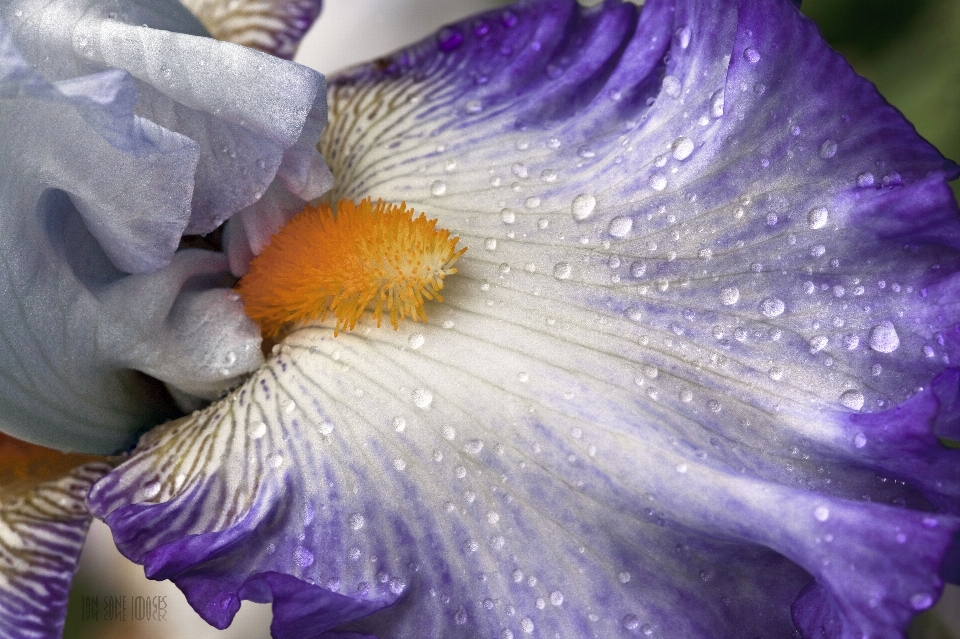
[624, 577]
[921, 601]
[399, 424]
[884, 338]
[671, 86]
[716, 104]
[859, 440]
[729, 295]
[620, 226]
[631, 622]
[821, 513]
[303, 557]
[556, 598]
[508, 216]
[422, 398]
[562, 271]
[583, 206]
[682, 148]
[658, 182]
[417, 340]
[257, 430]
[520, 170]
[638, 269]
[526, 624]
[548, 175]
[275, 460]
[817, 343]
[682, 37]
[490, 244]
[817, 218]
[532, 202]
[751, 55]
[828, 149]
[151, 490]
[438, 188]
[356, 521]
[865, 179]
[772, 307]
[776, 374]
[325, 428]
[852, 399]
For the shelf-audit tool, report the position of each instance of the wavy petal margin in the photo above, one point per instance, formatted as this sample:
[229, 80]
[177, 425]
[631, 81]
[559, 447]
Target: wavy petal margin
[41, 535]
[687, 383]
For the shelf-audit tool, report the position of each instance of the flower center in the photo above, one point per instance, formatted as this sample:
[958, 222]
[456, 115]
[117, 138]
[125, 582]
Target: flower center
[375, 255]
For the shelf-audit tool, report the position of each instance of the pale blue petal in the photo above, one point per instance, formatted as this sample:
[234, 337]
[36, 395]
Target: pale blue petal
[118, 141]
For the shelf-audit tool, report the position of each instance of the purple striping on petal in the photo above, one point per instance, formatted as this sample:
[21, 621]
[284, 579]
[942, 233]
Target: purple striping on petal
[703, 399]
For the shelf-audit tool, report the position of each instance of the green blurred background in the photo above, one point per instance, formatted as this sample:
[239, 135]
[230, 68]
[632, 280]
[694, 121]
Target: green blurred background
[911, 50]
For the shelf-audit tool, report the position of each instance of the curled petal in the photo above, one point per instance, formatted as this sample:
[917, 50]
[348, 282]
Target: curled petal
[688, 382]
[118, 141]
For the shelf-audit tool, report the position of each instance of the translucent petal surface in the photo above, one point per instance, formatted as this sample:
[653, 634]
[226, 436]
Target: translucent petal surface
[274, 26]
[687, 382]
[118, 140]
[41, 534]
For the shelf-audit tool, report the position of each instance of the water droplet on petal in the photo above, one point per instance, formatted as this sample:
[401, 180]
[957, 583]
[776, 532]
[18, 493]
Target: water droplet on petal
[682, 148]
[729, 295]
[562, 271]
[859, 440]
[325, 428]
[631, 622]
[817, 218]
[620, 226]
[716, 104]
[852, 399]
[438, 188]
[257, 430]
[921, 601]
[884, 338]
[151, 490]
[671, 86]
[828, 149]
[821, 513]
[303, 557]
[583, 206]
[751, 55]
[508, 216]
[422, 398]
[556, 598]
[356, 521]
[417, 340]
[865, 179]
[658, 182]
[490, 244]
[772, 307]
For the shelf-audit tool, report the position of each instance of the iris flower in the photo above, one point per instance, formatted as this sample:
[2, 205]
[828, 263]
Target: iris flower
[695, 375]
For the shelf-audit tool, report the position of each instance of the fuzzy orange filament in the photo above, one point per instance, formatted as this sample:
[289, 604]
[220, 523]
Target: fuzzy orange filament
[365, 255]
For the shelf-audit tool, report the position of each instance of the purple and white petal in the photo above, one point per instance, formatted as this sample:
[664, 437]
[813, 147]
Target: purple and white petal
[273, 26]
[41, 534]
[688, 381]
[117, 142]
